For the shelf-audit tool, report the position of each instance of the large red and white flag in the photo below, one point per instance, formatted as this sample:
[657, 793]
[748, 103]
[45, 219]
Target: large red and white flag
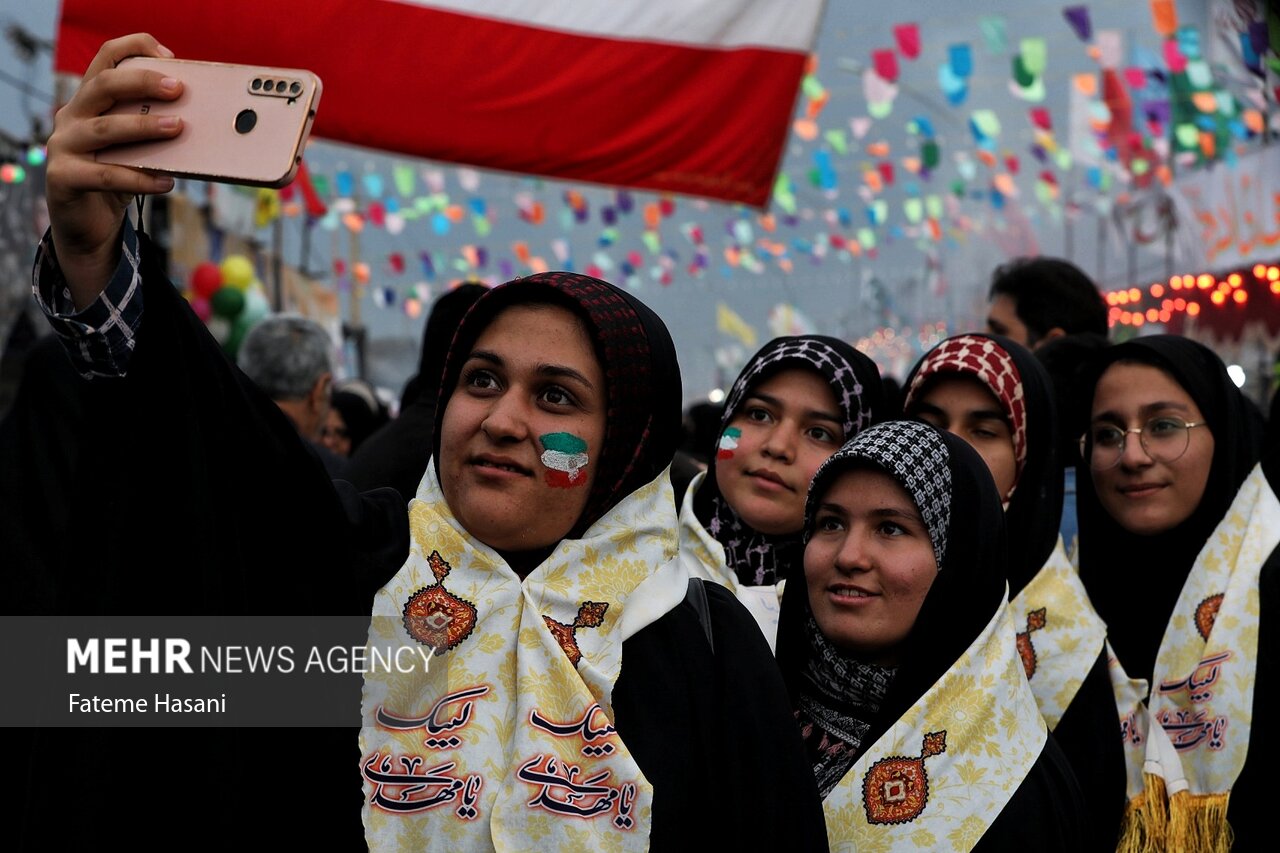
[686, 96]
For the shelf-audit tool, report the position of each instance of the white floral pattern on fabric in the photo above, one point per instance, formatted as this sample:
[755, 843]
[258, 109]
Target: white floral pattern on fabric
[1059, 635]
[703, 557]
[1202, 690]
[505, 739]
[940, 776]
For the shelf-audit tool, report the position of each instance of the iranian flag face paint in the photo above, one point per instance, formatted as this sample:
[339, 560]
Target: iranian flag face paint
[728, 443]
[565, 456]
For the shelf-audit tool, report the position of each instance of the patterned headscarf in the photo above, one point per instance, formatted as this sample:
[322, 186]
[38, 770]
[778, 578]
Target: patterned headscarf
[760, 559]
[1021, 384]
[911, 453]
[985, 360]
[637, 357]
[841, 365]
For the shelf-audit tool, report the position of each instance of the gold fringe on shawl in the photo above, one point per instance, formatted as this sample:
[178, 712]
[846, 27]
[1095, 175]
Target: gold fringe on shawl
[1155, 822]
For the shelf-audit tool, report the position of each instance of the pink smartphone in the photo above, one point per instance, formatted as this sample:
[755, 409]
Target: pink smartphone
[242, 124]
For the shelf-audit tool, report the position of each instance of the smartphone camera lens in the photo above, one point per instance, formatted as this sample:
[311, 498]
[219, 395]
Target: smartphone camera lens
[257, 84]
[295, 87]
[246, 120]
[281, 86]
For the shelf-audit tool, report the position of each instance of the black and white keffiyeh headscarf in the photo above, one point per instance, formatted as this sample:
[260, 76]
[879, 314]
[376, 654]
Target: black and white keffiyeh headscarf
[913, 454]
[837, 362]
[760, 559]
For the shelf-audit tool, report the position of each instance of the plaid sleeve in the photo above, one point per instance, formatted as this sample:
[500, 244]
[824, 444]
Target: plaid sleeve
[100, 338]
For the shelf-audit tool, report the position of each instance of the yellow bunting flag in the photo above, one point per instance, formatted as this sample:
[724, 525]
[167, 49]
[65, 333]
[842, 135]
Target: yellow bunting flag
[728, 322]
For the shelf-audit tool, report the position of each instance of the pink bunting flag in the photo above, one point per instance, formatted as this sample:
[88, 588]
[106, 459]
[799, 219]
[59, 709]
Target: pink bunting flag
[885, 63]
[1040, 118]
[908, 38]
[1173, 56]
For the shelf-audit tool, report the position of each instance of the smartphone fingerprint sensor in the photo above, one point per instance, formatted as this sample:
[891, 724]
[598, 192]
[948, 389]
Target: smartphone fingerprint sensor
[246, 120]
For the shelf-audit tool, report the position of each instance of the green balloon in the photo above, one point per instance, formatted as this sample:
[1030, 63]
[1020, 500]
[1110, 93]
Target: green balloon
[228, 302]
[240, 328]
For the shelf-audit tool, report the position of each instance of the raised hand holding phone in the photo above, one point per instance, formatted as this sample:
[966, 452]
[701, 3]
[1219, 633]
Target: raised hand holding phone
[141, 117]
[242, 124]
[87, 199]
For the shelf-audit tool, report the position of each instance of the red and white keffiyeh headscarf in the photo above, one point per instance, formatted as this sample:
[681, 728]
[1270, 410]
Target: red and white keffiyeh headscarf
[987, 361]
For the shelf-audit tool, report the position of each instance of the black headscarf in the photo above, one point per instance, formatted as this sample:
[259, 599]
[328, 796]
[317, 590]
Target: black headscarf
[1134, 581]
[397, 454]
[362, 413]
[1035, 509]
[446, 313]
[759, 558]
[1273, 423]
[957, 499]
[1066, 359]
[642, 379]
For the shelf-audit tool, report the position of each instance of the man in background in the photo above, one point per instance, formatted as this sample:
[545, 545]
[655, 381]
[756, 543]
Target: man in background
[1036, 300]
[1051, 307]
[288, 357]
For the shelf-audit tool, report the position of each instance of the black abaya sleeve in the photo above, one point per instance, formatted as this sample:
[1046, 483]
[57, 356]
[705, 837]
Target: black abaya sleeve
[715, 735]
[183, 488]
[1089, 734]
[180, 489]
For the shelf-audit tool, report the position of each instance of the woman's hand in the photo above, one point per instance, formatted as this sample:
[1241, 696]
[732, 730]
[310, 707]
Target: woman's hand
[87, 199]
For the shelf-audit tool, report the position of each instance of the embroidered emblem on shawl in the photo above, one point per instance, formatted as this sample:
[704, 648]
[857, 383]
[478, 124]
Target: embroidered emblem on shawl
[1036, 620]
[436, 617]
[1062, 650]
[590, 615]
[896, 789]
[1206, 613]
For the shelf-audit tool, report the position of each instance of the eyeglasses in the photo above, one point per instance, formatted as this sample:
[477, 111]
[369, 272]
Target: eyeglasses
[1164, 439]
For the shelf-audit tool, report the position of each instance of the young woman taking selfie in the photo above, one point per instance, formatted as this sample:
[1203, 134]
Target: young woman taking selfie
[579, 693]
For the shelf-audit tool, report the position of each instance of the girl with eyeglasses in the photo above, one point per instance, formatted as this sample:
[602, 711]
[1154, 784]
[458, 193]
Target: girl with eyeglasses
[1170, 439]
